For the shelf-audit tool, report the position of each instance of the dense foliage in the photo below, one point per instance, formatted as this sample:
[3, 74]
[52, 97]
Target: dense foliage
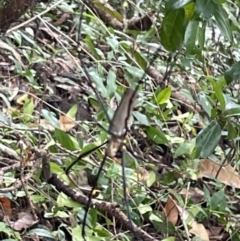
[181, 152]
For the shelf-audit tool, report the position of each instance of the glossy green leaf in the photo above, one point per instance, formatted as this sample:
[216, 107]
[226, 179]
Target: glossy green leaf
[233, 112]
[41, 232]
[232, 74]
[208, 139]
[173, 29]
[222, 22]
[65, 140]
[191, 36]
[205, 103]
[189, 11]
[55, 168]
[164, 95]
[176, 4]
[142, 119]
[156, 135]
[206, 8]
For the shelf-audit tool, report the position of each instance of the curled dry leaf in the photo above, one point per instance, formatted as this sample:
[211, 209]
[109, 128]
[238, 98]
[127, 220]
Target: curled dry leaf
[225, 174]
[199, 230]
[170, 211]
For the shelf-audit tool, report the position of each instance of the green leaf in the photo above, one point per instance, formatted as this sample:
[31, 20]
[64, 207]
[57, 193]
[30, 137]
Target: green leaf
[73, 111]
[218, 201]
[164, 95]
[222, 22]
[173, 29]
[56, 168]
[205, 103]
[99, 83]
[51, 118]
[233, 112]
[41, 232]
[151, 179]
[28, 109]
[184, 148]
[111, 83]
[156, 135]
[191, 37]
[142, 119]
[65, 140]
[189, 11]
[176, 4]
[144, 208]
[218, 91]
[5, 229]
[208, 139]
[169, 239]
[232, 74]
[232, 133]
[155, 218]
[134, 71]
[206, 8]
[92, 48]
[65, 201]
[140, 60]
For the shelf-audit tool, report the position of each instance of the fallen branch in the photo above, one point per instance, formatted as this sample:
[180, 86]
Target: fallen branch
[111, 209]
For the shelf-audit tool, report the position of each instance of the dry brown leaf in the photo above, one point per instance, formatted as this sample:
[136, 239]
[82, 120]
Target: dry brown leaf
[196, 228]
[199, 230]
[142, 174]
[215, 231]
[25, 220]
[27, 157]
[14, 52]
[194, 194]
[170, 211]
[66, 123]
[227, 174]
[6, 206]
